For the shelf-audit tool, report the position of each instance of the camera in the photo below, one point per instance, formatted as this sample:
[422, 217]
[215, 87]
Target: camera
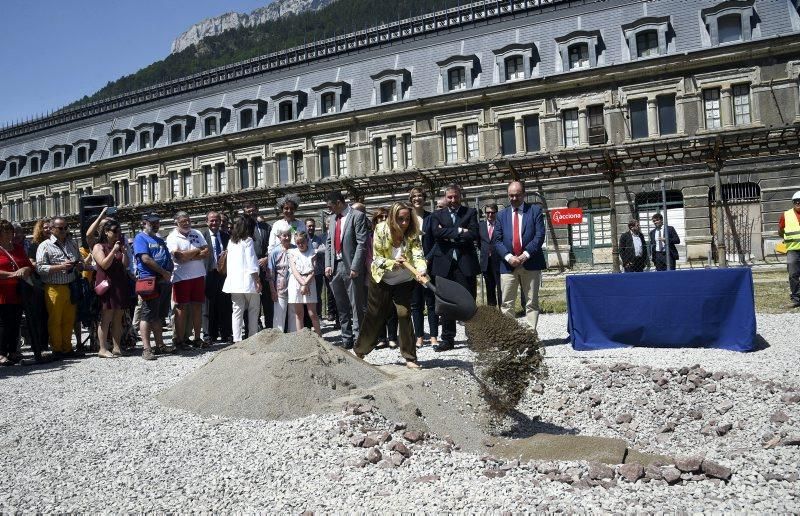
[111, 211]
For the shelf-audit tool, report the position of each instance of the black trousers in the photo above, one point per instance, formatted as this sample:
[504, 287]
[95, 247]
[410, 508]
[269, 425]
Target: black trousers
[660, 261]
[220, 307]
[492, 279]
[468, 282]
[35, 310]
[10, 317]
[420, 299]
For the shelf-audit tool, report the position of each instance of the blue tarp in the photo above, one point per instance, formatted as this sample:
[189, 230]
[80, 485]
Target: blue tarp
[709, 308]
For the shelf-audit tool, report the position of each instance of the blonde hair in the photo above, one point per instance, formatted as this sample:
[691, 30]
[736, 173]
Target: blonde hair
[38, 230]
[394, 228]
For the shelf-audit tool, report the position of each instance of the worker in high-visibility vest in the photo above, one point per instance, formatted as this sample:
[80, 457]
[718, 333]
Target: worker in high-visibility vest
[789, 229]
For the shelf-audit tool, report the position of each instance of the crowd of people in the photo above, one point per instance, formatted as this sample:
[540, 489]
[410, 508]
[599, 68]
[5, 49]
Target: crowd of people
[227, 280]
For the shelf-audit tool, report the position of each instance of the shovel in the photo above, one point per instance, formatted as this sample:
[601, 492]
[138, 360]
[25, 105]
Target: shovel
[453, 301]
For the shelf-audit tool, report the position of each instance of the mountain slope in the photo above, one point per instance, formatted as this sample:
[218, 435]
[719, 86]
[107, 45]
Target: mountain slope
[242, 43]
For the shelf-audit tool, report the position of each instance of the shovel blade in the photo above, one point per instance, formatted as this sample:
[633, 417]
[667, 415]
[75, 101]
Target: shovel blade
[453, 300]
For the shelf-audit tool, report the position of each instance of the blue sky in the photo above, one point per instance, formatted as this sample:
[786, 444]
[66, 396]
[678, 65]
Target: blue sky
[53, 52]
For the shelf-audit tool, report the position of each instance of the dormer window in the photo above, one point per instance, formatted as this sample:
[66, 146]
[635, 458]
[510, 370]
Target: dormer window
[60, 155]
[82, 155]
[147, 135]
[176, 133]
[13, 169]
[210, 126]
[579, 50]
[213, 120]
[456, 72]
[729, 22]
[58, 159]
[83, 150]
[290, 105]
[285, 111]
[328, 103]
[34, 164]
[331, 97]
[648, 37]
[180, 126]
[578, 56]
[514, 68]
[516, 62]
[246, 119]
[390, 85]
[145, 140]
[120, 141]
[248, 112]
[117, 146]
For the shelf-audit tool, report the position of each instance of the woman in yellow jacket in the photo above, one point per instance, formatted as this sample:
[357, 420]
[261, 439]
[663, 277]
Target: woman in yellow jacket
[394, 241]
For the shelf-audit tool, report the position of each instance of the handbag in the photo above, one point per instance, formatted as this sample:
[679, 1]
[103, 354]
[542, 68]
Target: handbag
[147, 288]
[222, 264]
[101, 284]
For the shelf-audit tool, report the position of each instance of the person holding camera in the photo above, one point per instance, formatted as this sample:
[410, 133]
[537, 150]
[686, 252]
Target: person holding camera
[58, 261]
[111, 285]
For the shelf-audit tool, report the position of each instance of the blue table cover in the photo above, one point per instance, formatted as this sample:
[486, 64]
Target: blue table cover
[711, 308]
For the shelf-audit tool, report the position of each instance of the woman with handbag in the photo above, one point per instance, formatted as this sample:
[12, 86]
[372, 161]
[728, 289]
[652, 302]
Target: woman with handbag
[14, 267]
[112, 286]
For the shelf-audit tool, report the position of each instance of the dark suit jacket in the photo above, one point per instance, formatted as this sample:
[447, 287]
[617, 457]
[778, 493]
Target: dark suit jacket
[208, 261]
[488, 254]
[627, 253]
[261, 239]
[447, 239]
[673, 240]
[428, 241]
[532, 237]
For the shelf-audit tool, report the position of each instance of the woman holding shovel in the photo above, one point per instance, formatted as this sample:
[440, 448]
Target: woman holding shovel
[395, 245]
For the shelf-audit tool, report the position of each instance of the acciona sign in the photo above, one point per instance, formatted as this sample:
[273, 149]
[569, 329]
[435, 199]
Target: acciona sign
[566, 216]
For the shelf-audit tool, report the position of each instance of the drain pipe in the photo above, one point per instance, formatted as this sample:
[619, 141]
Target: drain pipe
[722, 257]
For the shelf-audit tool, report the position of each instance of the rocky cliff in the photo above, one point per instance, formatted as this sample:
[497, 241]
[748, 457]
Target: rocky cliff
[228, 21]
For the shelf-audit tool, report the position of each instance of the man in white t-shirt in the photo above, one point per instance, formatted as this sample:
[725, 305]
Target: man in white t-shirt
[189, 250]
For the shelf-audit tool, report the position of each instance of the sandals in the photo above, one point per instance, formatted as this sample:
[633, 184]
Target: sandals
[106, 354]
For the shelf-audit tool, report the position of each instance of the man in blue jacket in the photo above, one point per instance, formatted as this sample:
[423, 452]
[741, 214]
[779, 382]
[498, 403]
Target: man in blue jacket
[519, 236]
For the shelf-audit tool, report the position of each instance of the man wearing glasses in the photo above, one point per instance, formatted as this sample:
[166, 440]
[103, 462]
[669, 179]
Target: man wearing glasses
[789, 229]
[58, 261]
[490, 261]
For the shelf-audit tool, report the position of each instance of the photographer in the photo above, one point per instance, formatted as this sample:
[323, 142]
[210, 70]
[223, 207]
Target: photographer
[58, 261]
[112, 286]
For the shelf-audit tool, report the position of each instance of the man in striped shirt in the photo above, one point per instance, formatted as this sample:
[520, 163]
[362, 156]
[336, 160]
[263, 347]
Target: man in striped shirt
[58, 261]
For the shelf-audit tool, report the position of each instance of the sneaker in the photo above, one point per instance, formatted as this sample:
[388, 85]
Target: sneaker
[147, 354]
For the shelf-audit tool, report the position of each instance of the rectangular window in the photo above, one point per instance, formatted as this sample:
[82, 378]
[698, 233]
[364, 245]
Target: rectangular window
[571, 134]
[729, 28]
[115, 187]
[176, 133]
[532, 141]
[450, 145]
[407, 146]
[667, 121]
[211, 126]
[514, 68]
[258, 163]
[58, 160]
[647, 43]
[246, 119]
[126, 192]
[153, 188]
[393, 152]
[377, 146]
[508, 140]
[144, 189]
[208, 179]
[144, 140]
[299, 166]
[456, 79]
[388, 91]
[283, 169]
[285, 111]
[711, 108]
[638, 114]
[578, 56]
[244, 174]
[175, 182]
[82, 155]
[471, 133]
[117, 146]
[601, 223]
[12, 169]
[329, 103]
[187, 184]
[34, 164]
[741, 104]
[222, 177]
[324, 162]
[341, 159]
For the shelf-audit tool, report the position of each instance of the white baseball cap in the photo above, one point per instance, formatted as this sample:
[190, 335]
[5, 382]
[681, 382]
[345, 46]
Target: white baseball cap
[796, 195]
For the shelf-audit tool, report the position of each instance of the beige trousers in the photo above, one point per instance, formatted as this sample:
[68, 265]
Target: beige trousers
[529, 281]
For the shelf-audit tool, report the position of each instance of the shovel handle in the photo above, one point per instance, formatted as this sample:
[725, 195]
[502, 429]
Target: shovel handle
[414, 273]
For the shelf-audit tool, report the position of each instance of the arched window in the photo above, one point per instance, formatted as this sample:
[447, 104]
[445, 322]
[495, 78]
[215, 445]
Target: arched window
[647, 43]
[730, 28]
[578, 56]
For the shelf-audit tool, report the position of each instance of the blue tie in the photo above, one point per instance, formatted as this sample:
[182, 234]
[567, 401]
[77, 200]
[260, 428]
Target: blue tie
[453, 216]
[217, 247]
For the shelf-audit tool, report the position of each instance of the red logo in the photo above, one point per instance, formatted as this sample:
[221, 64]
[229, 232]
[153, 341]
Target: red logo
[566, 216]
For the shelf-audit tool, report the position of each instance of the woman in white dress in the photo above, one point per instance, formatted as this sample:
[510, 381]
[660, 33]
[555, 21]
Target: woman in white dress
[302, 287]
[242, 281]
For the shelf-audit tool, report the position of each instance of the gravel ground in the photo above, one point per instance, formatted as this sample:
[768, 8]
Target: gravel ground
[88, 435]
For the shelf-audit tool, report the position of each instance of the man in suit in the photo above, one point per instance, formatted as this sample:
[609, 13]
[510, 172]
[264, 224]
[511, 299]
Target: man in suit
[658, 249]
[632, 249]
[261, 244]
[490, 261]
[455, 232]
[345, 257]
[518, 239]
[218, 305]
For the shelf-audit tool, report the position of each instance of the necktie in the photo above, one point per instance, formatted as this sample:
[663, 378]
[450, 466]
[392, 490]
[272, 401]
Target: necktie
[660, 243]
[516, 242]
[217, 246]
[490, 230]
[337, 235]
[453, 216]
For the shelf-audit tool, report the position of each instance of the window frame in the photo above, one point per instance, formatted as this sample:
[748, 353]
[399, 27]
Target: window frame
[402, 79]
[463, 65]
[591, 39]
[711, 17]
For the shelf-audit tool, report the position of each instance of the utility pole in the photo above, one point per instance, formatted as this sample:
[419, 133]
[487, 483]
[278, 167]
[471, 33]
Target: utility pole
[665, 226]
